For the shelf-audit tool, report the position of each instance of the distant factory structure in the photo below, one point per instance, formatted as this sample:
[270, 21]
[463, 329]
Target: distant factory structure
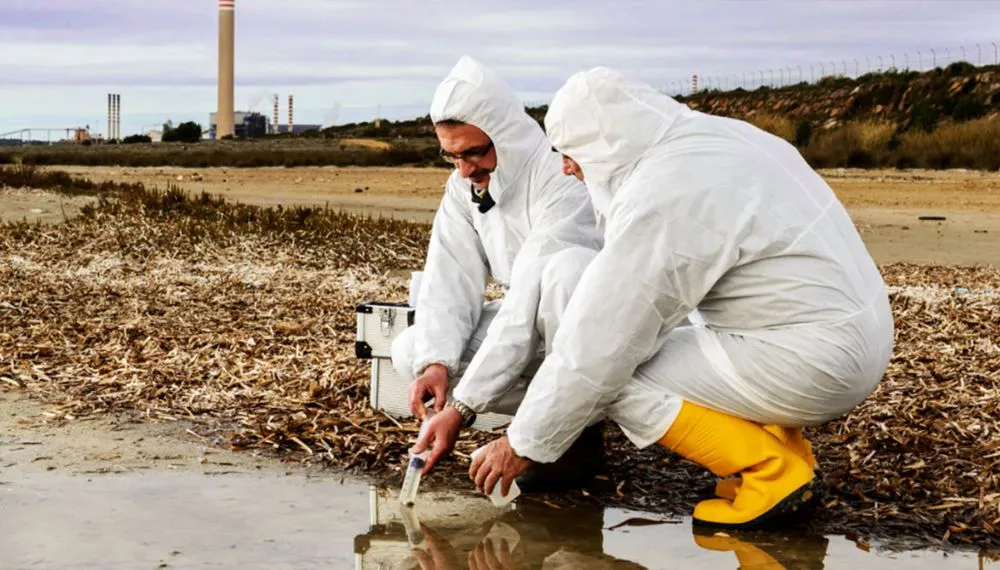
[243, 124]
[251, 124]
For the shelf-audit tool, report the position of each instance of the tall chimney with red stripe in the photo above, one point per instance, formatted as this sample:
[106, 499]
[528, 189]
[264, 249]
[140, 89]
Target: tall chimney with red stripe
[227, 48]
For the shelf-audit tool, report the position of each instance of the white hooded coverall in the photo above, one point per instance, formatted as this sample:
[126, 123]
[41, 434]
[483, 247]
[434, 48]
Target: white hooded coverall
[535, 242]
[712, 214]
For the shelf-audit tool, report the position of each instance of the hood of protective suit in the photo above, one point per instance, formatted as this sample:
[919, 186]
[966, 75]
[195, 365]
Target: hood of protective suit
[606, 122]
[474, 94]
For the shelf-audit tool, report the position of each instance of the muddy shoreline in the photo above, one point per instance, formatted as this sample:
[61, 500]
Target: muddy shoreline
[36, 441]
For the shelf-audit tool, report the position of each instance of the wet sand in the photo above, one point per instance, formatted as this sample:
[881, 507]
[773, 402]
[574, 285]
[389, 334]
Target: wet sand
[114, 494]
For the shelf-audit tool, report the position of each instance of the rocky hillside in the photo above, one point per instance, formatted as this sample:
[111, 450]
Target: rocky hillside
[960, 92]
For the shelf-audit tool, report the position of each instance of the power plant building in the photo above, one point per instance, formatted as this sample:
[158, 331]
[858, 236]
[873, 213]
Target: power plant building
[253, 125]
[245, 125]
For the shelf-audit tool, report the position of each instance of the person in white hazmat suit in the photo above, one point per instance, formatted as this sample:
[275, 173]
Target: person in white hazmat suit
[508, 213]
[714, 214]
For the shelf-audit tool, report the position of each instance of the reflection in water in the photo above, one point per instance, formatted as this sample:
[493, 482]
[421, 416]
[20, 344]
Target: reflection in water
[267, 520]
[801, 550]
[448, 532]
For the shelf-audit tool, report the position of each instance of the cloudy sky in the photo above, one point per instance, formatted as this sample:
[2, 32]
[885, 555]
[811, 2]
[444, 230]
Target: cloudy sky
[346, 60]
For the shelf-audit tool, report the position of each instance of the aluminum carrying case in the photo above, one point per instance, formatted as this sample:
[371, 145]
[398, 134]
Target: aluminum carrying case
[378, 325]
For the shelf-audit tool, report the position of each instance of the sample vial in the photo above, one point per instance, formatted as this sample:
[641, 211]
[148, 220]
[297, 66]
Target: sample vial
[414, 534]
[415, 467]
[497, 497]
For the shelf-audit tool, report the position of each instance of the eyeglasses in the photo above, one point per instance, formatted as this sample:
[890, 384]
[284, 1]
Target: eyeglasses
[472, 155]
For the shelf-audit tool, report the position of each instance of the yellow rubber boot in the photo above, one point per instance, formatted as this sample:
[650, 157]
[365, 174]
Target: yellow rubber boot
[748, 556]
[776, 480]
[792, 437]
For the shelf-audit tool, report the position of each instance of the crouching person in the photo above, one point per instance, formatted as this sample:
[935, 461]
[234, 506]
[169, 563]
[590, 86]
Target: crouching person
[508, 213]
[712, 214]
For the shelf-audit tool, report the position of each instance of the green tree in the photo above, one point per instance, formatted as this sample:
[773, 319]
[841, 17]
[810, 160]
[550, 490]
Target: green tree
[189, 132]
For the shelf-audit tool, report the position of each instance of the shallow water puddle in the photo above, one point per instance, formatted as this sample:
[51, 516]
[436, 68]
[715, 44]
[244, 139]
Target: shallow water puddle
[183, 519]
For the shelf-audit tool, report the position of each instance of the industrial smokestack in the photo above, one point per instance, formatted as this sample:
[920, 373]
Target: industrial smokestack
[275, 128]
[227, 48]
[291, 108]
[111, 116]
[118, 116]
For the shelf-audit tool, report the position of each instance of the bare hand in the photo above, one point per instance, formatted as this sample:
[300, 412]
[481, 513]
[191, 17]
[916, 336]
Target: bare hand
[483, 556]
[442, 555]
[442, 432]
[497, 462]
[433, 382]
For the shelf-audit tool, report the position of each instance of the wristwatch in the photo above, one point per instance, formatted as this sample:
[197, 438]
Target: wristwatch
[468, 415]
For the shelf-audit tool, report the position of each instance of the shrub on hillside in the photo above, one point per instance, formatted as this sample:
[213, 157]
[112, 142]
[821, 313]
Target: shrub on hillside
[968, 108]
[803, 134]
[924, 116]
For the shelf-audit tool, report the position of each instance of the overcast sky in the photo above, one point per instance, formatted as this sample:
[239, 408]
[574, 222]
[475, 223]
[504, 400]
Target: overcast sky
[60, 58]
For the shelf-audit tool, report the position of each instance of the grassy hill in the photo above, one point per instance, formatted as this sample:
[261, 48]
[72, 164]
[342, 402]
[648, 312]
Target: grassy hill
[941, 118]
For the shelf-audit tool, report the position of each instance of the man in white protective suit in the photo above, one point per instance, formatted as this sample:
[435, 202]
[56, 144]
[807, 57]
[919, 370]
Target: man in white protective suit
[713, 214]
[508, 213]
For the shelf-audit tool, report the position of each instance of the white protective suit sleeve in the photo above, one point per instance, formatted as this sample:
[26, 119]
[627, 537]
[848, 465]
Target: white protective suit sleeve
[453, 287]
[652, 272]
[565, 219]
[511, 341]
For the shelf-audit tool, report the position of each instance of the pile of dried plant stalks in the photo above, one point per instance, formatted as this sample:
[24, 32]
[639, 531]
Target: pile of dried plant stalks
[156, 306]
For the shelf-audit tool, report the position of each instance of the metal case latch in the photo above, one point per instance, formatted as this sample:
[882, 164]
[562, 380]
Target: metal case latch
[386, 321]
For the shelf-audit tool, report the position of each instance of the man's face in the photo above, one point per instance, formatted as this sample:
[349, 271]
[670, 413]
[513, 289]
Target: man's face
[470, 150]
[571, 168]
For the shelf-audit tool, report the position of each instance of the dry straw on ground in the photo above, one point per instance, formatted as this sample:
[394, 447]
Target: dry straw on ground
[160, 308]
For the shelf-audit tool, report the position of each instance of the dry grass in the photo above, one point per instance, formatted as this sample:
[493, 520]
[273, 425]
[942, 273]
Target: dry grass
[973, 144]
[874, 135]
[164, 311]
[370, 144]
[855, 144]
[774, 124]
